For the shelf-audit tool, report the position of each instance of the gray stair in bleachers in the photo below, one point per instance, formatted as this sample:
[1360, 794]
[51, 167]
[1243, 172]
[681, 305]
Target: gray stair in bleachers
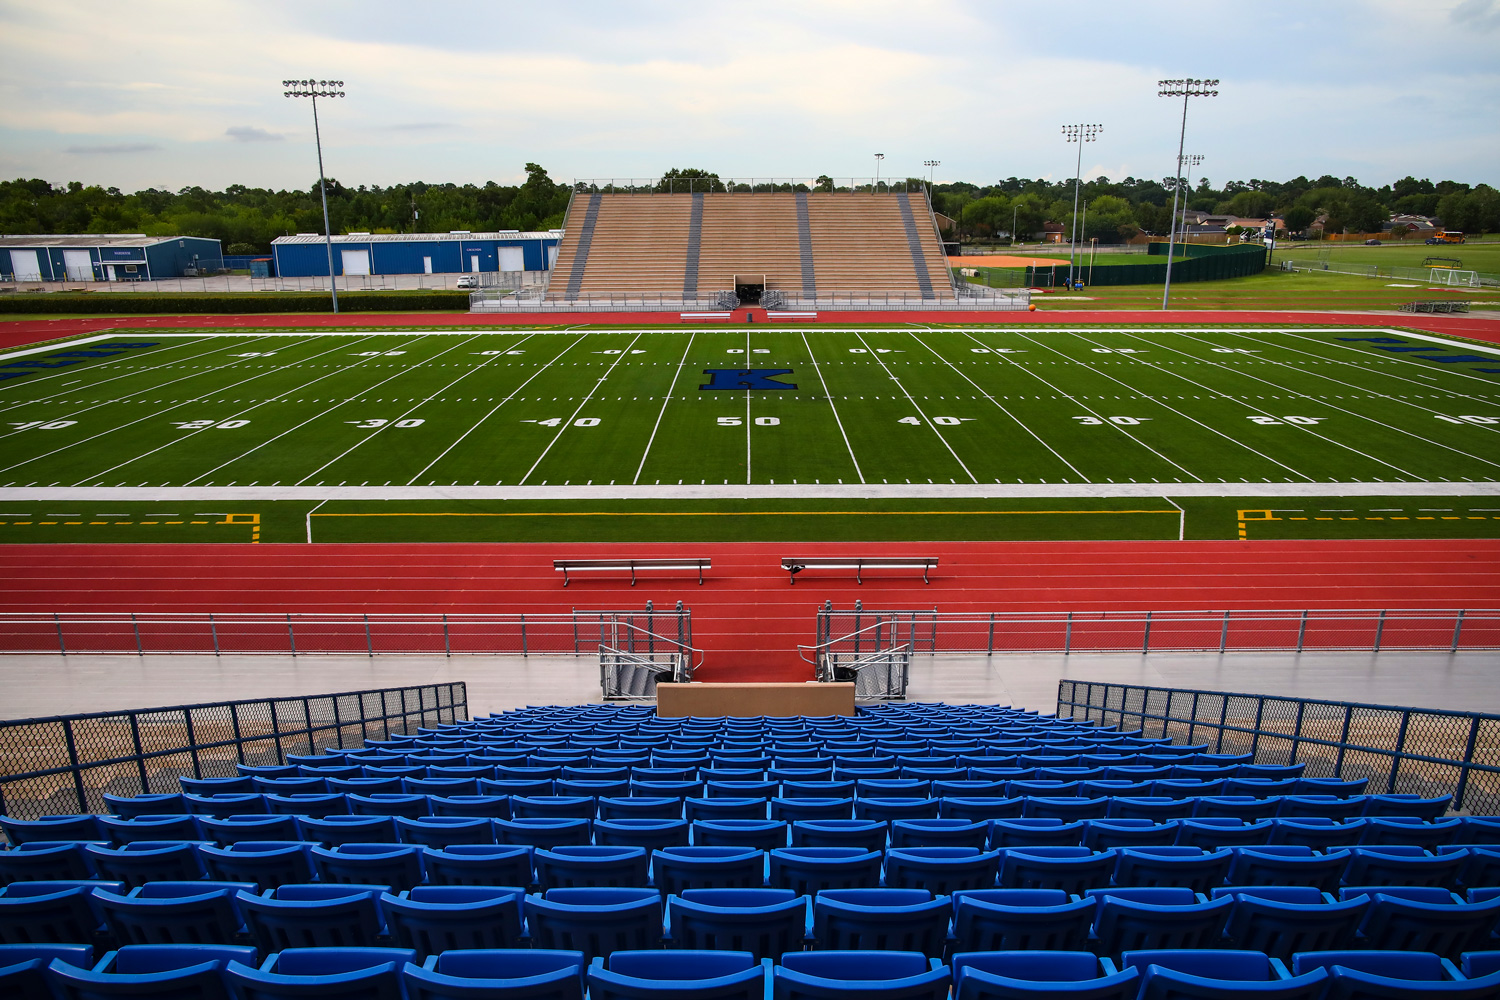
[804, 240]
[694, 244]
[918, 258]
[585, 240]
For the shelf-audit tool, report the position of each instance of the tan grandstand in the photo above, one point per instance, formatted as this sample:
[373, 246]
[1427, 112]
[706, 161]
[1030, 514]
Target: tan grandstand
[808, 247]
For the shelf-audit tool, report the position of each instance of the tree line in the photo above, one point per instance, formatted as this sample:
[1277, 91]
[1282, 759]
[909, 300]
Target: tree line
[247, 219]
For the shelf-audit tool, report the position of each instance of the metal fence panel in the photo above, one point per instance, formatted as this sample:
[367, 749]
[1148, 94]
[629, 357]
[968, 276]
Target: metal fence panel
[67, 764]
[1427, 752]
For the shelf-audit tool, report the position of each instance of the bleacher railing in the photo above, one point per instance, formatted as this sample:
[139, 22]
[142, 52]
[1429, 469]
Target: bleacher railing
[1419, 751]
[295, 634]
[746, 185]
[968, 297]
[66, 764]
[1146, 631]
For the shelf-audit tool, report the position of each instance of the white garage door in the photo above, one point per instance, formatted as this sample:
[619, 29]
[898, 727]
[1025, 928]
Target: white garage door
[26, 265]
[79, 265]
[512, 259]
[356, 261]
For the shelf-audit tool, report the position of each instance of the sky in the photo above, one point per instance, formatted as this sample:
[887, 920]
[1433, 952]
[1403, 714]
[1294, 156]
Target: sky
[171, 94]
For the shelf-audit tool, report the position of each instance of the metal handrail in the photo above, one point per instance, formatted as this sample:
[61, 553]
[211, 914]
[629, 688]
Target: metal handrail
[821, 646]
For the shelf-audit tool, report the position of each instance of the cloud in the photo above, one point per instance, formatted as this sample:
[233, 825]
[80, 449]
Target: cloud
[114, 149]
[249, 133]
[420, 126]
[1481, 14]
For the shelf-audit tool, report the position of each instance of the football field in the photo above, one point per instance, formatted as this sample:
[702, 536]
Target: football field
[733, 413]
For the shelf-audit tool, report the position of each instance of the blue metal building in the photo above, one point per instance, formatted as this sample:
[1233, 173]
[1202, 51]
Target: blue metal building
[107, 257]
[305, 255]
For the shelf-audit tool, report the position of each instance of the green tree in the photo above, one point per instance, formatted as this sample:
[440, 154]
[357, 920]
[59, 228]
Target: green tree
[1298, 218]
[684, 179]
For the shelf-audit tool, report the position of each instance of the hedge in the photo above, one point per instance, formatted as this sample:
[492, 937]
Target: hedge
[190, 303]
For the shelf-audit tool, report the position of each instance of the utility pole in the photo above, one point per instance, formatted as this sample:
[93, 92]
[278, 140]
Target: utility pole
[316, 89]
[1079, 134]
[1184, 89]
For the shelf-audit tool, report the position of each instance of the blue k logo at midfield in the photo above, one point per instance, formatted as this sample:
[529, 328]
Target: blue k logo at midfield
[754, 379]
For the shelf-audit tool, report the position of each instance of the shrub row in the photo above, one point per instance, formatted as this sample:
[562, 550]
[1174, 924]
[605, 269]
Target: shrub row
[190, 303]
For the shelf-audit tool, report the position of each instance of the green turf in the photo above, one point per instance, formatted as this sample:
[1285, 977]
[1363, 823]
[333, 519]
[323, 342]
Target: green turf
[1034, 407]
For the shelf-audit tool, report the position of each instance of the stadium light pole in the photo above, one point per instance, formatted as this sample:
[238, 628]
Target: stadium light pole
[1185, 89]
[1190, 161]
[930, 164]
[1079, 134]
[316, 89]
[878, 158]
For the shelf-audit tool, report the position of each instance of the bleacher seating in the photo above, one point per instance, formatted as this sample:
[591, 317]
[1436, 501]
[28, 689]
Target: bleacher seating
[892, 854]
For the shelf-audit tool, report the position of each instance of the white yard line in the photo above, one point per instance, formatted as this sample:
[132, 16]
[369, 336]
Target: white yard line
[670, 389]
[747, 411]
[572, 416]
[1137, 391]
[323, 413]
[176, 406]
[1003, 409]
[917, 406]
[1330, 405]
[780, 491]
[1415, 368]
[459, 440]
[832, 406]
[94, 387]
[1105, 421]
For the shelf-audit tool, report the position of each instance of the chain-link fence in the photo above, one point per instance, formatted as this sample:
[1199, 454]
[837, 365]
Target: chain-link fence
[1419, 751]
[66, 764]
[860, 630]
[216, 634]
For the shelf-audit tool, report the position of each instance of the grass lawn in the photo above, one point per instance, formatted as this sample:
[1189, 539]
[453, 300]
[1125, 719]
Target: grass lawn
[1271, 289]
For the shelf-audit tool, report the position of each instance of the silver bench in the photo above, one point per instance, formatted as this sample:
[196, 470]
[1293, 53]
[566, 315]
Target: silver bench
[565, 566]
[795, 565]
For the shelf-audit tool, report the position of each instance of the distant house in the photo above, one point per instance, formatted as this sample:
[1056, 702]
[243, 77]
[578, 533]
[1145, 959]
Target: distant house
[1052, 232]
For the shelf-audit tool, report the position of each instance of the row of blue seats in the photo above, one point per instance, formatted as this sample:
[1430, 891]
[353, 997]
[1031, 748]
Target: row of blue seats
[1280, 919]
[791, 754]
[1200, 822]
[219, 972]
[805, 867]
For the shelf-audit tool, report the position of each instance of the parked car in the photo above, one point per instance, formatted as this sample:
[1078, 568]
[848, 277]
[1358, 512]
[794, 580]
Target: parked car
[467, 281]
[1372, 243]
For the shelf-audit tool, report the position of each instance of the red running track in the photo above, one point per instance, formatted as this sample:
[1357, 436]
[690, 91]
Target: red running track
[746, 616]
[16, 333]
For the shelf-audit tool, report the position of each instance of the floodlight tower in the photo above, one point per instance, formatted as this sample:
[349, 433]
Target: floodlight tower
[930, 164]
[878, 158]
[1184, 89]
[316, 89]
[1189, 161]
[1079, 134]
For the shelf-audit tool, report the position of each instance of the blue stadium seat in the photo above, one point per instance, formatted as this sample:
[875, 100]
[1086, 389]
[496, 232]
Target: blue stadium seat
[885, 810]
[531, 974]
[548, 831]
[686, 975]
[431, 919]
[1392, 975]
[1481, 830]
[790, 810]
[1070, 869]
[384, 804]
[860, 975]
[1103, 834]
[1066, 808]
[1473, 963]
[648, 833]
[211, 786]
[334, 830]
[144, 861]
[808, 870]
[130, 806]
[445, 831]
[764, 922]
[941, 870]
[1393, 923]
[1281, 921]
[486, 806]
[515, 786]
[1382, 831]
[1483, 865]
[396, 865]
[866, 834]
[248, 826]
[1020, 920]
[1243, 807]
[1223, 832]
[478, 864]
[308, 804]
[1027, 975]
[178, 972]
[895, 919]
[388, 785]
[640, 807]
[1155, 808]
[1036, 832]
[291, 784]
[566, 866]
[1337, 787]
[980, 807]
[1188, 867]
[265, 864]
[1318, 833]
[440, 786]
[1217, 974]
[23, 968]
[1406, 805]
[175, 913]
[758, 834]
[267, 770]
[181, 827]
[62, 912]
[314, 915]
[43, 861]
[1321, 806]
[1287, 865]
[1400, 865]
[1128, 919]
[724, 807]
[595, 921]
[349, 972]
[225, 804]
[674, 869]
[939, 833]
